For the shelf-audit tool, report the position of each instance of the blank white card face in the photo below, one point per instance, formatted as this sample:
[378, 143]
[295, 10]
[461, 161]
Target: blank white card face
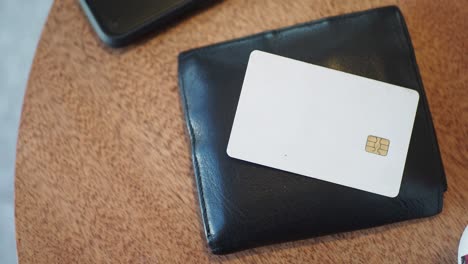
[323, 123]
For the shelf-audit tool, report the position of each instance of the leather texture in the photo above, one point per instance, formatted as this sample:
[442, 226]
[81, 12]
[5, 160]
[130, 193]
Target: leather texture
[245, 205]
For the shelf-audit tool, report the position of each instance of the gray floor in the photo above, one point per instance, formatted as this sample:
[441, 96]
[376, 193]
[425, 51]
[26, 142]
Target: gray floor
[21, 23]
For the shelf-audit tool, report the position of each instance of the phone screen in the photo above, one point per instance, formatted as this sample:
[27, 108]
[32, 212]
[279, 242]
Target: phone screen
[120, 16]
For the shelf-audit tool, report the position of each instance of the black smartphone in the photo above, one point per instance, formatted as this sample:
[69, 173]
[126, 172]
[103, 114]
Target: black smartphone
[119, 22]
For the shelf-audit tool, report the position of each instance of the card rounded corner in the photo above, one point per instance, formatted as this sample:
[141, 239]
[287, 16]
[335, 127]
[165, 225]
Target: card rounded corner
[415, 94]
[254, 53]
[229, 153]
[393, 193]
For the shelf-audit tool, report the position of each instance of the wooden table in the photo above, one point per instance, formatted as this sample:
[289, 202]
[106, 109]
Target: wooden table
[104, 172]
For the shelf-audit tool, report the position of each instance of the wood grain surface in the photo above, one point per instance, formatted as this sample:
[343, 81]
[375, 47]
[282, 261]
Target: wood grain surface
[104, 173]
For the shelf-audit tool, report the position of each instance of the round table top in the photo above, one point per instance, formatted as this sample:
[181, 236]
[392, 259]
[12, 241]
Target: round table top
[104, 172]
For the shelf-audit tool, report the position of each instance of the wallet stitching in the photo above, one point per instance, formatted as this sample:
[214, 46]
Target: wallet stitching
[412, 59]
[194, 157]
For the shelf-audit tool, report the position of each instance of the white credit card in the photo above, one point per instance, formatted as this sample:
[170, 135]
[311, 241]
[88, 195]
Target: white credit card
[322, 123]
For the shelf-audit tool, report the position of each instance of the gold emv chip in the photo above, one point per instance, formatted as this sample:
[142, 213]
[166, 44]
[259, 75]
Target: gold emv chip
[377, 145]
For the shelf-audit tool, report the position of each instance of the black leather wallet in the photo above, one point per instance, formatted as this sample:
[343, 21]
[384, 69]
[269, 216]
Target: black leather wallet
[245, 205]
